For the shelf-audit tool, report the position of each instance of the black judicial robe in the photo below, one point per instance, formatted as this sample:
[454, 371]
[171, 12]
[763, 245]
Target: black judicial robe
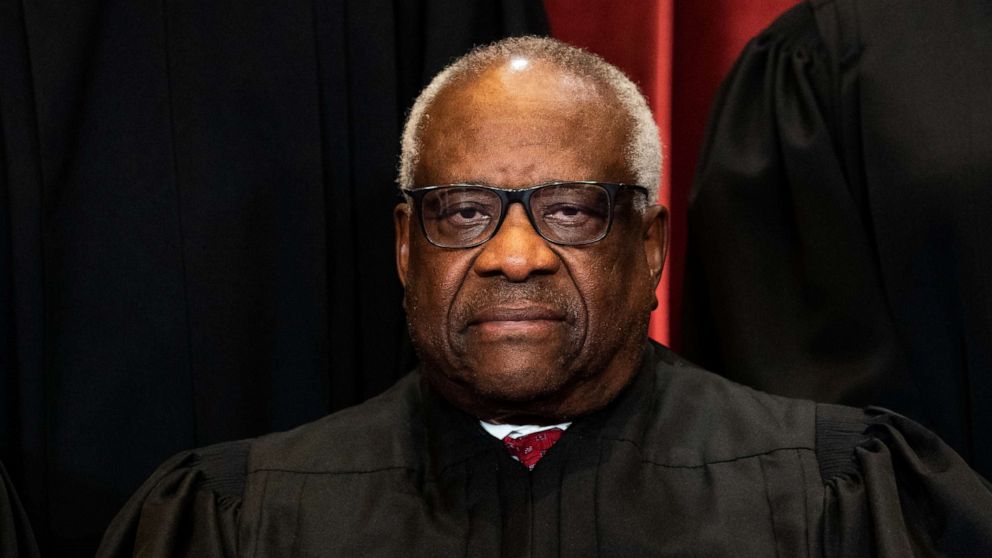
[683, 463]
[840, 220]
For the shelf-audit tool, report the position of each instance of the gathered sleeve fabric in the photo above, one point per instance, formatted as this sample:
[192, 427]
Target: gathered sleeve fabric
[894, 489]
[16, 535]
[783, 291]
[189, 507]
[839, 219]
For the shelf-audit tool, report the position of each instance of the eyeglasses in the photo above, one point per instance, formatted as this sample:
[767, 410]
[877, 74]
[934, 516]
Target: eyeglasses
[566, 213]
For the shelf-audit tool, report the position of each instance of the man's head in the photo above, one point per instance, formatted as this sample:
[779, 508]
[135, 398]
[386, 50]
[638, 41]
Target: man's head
[520, 327]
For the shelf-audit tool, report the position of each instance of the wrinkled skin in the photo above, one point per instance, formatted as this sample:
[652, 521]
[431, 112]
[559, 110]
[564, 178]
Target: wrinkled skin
[518, 329]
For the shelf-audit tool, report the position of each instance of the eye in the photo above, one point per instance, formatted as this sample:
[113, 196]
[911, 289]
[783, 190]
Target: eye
[565, 214]
[569, 211]
[465, 215]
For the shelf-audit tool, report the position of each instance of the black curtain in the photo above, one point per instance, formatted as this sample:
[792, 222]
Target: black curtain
[195, 226]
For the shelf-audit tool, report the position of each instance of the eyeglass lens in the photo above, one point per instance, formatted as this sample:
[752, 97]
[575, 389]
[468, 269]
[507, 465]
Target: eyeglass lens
[563, 213]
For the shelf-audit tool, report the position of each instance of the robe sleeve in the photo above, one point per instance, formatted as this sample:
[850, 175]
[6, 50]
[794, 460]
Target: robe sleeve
[783, 291]
[188, 507]
[16, 537]
[894, 489]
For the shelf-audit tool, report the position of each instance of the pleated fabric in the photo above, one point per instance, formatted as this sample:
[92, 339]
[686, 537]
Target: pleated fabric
[16, 535]
[839, 220]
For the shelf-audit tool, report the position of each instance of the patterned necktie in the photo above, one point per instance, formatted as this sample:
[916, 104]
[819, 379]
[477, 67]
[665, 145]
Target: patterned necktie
[531, 448]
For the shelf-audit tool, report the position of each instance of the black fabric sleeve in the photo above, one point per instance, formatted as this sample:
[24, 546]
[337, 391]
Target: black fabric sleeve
[782, 287]
[16, 536]
[894, 489]
[188, 507]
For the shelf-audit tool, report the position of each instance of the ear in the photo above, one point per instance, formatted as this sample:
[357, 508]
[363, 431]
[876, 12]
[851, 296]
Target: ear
[401, 222]
[655, 236]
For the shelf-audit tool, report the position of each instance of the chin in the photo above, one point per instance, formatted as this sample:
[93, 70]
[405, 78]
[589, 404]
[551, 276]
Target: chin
[519, 385]
[485, 392]
[518, 371]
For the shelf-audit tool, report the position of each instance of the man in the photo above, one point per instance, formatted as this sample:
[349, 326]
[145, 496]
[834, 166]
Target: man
[542, 422]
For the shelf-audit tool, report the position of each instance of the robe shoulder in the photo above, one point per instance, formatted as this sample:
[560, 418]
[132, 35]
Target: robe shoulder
[384, 432]
[712, 411]
[885, 470]
[890, 487]
[695, 417]
[190, 506]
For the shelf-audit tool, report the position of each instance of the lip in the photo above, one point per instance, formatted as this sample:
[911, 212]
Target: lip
[516, 324]
[505, 314]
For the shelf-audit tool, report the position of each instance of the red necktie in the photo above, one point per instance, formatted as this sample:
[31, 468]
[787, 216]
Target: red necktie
[531, 448]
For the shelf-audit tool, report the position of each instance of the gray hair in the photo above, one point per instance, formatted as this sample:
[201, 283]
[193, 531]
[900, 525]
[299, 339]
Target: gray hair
[643, 150]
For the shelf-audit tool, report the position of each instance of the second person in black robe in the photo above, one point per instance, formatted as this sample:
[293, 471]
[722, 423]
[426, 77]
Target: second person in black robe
[839, 226]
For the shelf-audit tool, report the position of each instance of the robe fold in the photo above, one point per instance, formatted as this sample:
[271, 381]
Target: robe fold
[682, 463]
[16, 536]
[839, 222]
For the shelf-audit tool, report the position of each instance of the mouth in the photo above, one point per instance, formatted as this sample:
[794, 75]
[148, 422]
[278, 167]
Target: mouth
[528, 313]
[524, 321]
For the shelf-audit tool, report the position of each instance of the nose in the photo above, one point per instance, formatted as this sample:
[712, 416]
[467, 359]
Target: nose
[517, 251]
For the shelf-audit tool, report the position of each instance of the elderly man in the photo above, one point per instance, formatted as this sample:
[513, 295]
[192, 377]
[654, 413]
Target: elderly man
[542, 422]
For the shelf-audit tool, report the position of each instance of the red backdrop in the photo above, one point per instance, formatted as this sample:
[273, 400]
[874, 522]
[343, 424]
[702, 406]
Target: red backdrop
[677, 52]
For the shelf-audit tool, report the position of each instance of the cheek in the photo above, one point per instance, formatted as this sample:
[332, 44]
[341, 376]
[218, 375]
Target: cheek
[616, 290]
[433, 281]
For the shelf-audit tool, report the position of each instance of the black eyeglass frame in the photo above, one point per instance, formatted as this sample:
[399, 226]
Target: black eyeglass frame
[509, 196]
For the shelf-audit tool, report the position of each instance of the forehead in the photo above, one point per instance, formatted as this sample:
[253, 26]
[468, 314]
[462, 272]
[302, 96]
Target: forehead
[514, 125]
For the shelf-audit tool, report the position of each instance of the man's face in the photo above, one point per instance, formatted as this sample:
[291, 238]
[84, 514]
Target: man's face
[519, 326]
